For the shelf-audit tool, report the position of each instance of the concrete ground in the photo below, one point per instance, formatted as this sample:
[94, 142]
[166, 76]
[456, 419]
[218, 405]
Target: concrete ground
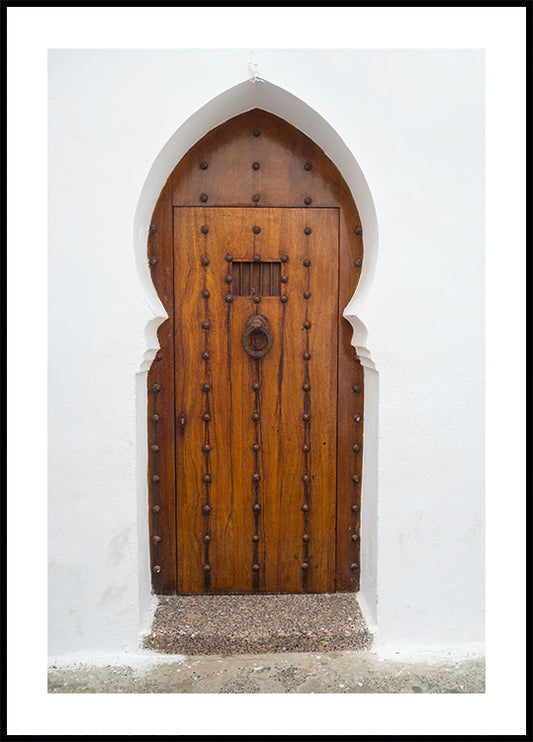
[298, 672]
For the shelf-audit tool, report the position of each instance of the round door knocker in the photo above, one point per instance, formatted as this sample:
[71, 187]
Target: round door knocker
[257, 338]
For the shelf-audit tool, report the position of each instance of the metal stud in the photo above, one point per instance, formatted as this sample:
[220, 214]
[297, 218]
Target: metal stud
[306, 387]
[255, 416]
[204, 229]
[256, 386]
[229, 298]
[256, 230]
[357, 418]
[156, 539]
[206, 387]
[356, 447]
[153, 260]
[306, 448]
[256, 477]
[355, 478]
[203, 197]
[257, 299]
[157, 569]
[204, 165]
[154, 448]
[307, 230]
[356, 388]
[206, 508]
[307, 324]
[353, 566]
[307, 355]
[204, 260]
[308, 200]
[284, 278]
[156, 388]
[156, 478]
[306, 478]
[358, 230]
[306, 416]
[159, 355]
[305, 566]
[206, 416]
[207, 538]
[255, 567]
[307, 166]
[307, 294]
[307, 262]
[355, 508]
[257, 258]
[206, 325]
[283, 299]
[228, 257]
[256, 508]
[156, 509]
[206, 355]
[255, 166]
[207, 478]
[206, 448]
[306, 537]
[207, 567]
[355, 537]
[284, 258]
[255, 538]
[153, 230]
[305, 507]
[205, 293]
[255, 198]
[256, 132]
[256, 447]
[357, 262]
[155, 418]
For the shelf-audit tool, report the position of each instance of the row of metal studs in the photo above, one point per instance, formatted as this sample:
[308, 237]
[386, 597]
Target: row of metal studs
[256, 417]
[306, 416]
[155, 478]
[256, 197]
[256, 476]
[206, 417]
[356, 479]
[356, 448]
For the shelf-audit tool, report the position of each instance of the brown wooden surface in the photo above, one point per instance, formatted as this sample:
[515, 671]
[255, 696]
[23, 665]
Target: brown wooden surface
[231, 400]
[291, 169]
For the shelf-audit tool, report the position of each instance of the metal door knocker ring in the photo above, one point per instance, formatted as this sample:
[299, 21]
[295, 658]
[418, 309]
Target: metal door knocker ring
[257, 338]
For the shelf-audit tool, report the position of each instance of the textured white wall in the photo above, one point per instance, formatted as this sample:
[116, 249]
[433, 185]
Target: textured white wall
[414, 122]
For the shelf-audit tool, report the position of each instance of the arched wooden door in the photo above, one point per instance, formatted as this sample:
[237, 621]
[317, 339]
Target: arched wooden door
[255, 420]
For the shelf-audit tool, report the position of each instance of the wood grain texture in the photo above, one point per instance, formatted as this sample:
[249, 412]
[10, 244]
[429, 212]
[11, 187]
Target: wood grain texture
[231, 401]
[162, 494]
[218, 172]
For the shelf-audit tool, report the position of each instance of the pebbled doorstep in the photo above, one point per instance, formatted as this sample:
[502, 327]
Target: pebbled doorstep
[255, 624]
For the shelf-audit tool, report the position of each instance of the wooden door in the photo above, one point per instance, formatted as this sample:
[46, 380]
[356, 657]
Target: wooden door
[255, 395]
[257, 445]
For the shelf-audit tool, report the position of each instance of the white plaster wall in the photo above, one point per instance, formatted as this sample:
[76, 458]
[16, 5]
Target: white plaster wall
[413, 121]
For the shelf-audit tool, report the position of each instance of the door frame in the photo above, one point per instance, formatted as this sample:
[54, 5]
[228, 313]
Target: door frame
[329, 189]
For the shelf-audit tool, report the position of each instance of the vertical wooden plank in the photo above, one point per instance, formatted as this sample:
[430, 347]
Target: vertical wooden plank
[322, 251]
[190, 375]
[350, 404]
[233, 425]
[160, 422]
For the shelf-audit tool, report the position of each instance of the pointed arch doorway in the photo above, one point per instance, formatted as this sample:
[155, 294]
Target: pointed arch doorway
[255, 419]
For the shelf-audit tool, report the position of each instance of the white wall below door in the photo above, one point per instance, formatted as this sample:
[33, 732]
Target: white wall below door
[413, 122]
